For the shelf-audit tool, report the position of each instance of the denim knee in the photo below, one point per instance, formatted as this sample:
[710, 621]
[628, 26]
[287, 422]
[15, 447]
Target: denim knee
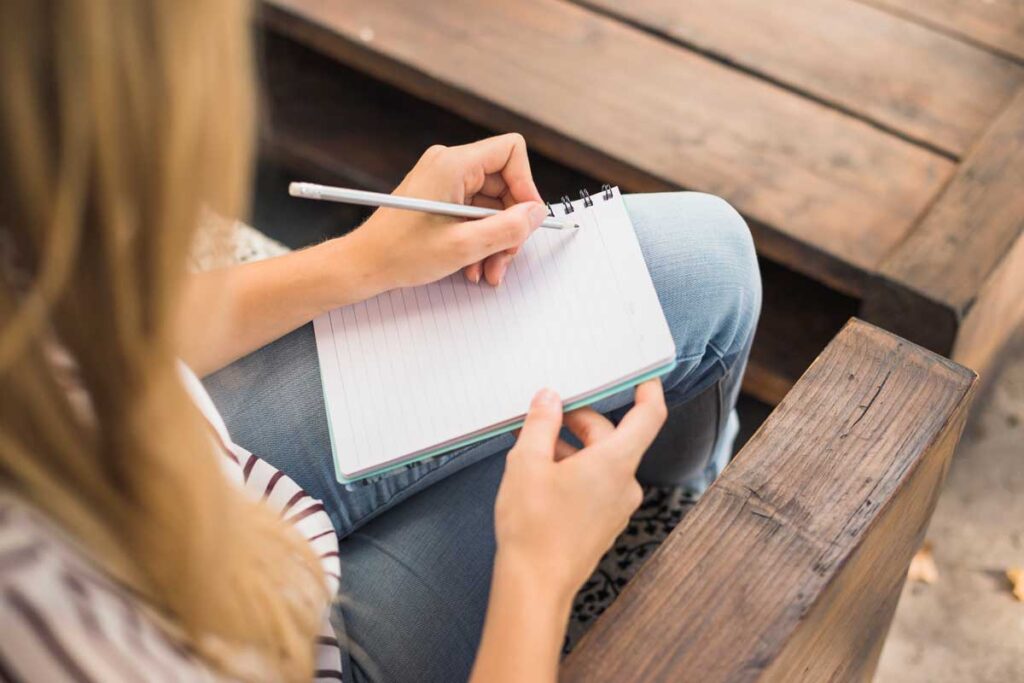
[701, 257]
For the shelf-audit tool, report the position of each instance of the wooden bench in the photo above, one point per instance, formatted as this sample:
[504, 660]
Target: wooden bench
[791, 565]
[877, 152]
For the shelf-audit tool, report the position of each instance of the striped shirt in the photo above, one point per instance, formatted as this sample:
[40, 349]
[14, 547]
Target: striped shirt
[62, 618]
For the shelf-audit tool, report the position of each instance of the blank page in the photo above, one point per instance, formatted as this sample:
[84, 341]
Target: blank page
[419, 369]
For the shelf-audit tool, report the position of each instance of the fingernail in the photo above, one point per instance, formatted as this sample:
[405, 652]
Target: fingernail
[537, 214]
[503, 260]
[474, 276]
[545, 397]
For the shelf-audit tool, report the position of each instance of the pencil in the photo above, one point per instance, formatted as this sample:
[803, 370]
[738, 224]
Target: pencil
[364, 198]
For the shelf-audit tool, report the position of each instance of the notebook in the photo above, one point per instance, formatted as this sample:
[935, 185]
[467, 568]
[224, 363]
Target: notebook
[420, 371]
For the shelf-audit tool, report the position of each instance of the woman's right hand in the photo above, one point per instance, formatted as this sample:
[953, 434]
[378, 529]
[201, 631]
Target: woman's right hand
[409, 248]
[558, 508]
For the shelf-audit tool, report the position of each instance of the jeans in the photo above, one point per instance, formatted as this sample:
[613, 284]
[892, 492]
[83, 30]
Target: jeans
[417, 545]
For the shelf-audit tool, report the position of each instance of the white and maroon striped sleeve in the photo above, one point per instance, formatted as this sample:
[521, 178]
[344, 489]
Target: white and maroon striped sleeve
[62, 620]
[264, 482]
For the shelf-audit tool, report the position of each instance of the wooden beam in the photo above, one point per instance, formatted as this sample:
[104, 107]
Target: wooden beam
[624, 106]
[966, 255]
[995, 24]
[995, 315]
[791, 565]
[918, 82]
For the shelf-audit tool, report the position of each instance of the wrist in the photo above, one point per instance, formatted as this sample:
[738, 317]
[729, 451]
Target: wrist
[350, 274]
[540, 585]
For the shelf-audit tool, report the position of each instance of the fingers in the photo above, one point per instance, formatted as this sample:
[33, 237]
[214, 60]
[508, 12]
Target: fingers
[496, 188]
[506, 156]
[642, 423]
[510, 228]
[495, 195]
[563, 450]
[495, 267]
[489, 201]
[473, 272]
[539, 433]
[588, 425]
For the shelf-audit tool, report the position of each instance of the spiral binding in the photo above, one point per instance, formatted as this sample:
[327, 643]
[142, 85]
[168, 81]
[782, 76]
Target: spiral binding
[588, 200]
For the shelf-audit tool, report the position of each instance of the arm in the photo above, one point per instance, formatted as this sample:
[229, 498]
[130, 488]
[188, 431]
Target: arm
[525, 625]
[236, 310]
[230, 312]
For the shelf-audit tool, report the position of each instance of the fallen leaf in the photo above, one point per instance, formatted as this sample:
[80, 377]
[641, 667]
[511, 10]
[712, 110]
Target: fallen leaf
[1016, 577]
[922, 567]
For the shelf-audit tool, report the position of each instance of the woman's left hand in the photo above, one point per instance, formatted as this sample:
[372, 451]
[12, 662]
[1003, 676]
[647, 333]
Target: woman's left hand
[408, 248]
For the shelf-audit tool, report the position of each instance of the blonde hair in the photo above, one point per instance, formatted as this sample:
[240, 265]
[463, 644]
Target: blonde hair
[121, 123]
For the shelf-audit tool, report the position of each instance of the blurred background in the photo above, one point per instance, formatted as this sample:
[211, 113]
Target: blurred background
[875, 147]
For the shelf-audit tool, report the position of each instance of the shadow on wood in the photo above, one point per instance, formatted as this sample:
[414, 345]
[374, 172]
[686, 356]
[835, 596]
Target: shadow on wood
[791, 565]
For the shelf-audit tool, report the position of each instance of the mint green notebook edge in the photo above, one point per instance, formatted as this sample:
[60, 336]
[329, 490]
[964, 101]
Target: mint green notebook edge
[589, 400]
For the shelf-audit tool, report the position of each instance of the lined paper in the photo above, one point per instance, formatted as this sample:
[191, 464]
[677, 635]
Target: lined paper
[417, 369]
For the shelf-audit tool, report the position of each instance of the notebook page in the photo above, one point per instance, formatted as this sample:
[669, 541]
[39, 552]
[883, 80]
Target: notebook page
[416, 368]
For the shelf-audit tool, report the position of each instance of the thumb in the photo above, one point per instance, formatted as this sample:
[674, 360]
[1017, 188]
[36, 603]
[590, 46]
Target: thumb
[505, 230]
[543, 422]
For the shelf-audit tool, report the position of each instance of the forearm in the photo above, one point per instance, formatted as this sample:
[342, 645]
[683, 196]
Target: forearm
[524, 627]
[233, 311]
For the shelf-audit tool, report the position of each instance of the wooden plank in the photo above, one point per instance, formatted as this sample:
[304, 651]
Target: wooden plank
[790, 567]
[918, 82]
[997, 313]
[996, 24]
[927, 287]
[631, 109]
[329, 121]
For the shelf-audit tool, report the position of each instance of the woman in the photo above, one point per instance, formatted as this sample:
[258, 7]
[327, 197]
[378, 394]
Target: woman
[137, 540]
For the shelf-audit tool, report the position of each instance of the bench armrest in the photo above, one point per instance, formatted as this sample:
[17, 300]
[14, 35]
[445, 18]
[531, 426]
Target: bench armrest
[791, 565]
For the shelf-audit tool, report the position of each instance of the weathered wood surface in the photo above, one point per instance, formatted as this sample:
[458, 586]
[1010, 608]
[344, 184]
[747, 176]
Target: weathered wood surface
[790, 567]
[996, 24]
[966, 255]
[995, 315]
[827, 194]
[327, 120]
[907, 78]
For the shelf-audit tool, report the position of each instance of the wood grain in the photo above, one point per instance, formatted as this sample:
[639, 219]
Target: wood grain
[930, 283]
[919, 82]
[995, 315]
[619, 104]
[790, 567]
[326, 120]
[996, 24]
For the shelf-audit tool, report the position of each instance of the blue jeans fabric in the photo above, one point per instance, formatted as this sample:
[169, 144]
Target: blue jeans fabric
[417, 545]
